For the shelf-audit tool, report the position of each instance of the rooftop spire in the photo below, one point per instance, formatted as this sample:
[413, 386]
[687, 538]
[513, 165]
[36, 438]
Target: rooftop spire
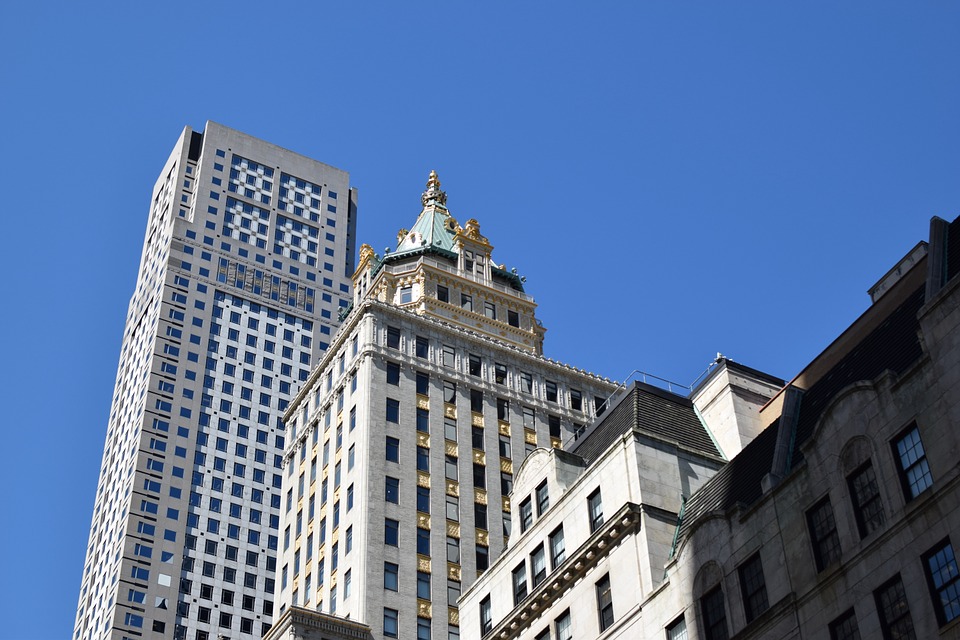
[433, 195]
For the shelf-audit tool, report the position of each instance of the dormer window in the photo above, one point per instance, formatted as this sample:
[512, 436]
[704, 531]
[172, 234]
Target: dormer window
[468, 261]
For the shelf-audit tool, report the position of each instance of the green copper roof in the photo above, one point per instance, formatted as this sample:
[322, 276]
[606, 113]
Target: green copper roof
[434, 228]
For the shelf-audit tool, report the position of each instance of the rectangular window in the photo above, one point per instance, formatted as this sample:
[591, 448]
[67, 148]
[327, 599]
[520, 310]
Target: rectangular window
[526, 514]
[479, 476]
[453, 550]
[538, 566]
[423, 459]
[474, 365]
[894, 612]
[450, 429]
[823, 534]
[595, 510]
[391, 532]
[503, 409]
[422, 347]
[519, 583]
[576, 400]
[513, 318]
[714, 614]
[449, 392]
[504, 446]
[393, 410]
[423, 420]
[453, 509]
[443, 294]
[480, 515]
[865, 494]
[563, 626]
[392, 449]
[423, 499]
[486, 616]
[558, 549]
[604, 603]
[423, 585]
[543, 498]
[551, 388]
[526, 382]
[490, 310]
[912, 463]
[677, 630]
[423, 542]
[476, 401]
[391, 576]
[844, 626]
[393, 337]
[449, 356]
[753, 587]
[406, 294]
[391, 622]
[423, 384]
[392, 490]
[466, 302]
[943, 578]
[450, 468]
[393, 373]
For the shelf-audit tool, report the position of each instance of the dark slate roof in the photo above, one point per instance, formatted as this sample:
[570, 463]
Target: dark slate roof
[893, 345]
[650, 410]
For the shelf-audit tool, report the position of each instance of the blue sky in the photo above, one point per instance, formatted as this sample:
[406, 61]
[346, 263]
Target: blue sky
[673, 179]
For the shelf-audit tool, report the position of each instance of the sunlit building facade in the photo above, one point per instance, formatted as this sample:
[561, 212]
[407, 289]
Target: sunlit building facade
[245, 267]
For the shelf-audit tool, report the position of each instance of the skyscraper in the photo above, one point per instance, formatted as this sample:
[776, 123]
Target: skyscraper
[245, 266]
[403, 444]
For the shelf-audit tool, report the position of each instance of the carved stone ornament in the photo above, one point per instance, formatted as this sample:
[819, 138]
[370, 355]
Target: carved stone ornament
[433, 193]
[472, 231]
[366, 253]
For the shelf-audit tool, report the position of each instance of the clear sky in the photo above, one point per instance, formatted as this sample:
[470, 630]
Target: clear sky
[674, 179]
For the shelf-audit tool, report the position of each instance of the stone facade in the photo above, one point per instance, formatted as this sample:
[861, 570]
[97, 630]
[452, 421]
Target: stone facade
[404, 444]
[837, 519]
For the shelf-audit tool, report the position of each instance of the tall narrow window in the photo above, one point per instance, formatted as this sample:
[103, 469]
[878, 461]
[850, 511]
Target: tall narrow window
[393, 337]
[563, 626]
[753, 587]
[604, 603]
[519, 583]
[944, 581]
[595, 510]
[422, 347]
[449, 392]
[714, 614]
[543, 498]
[538, 566]
[423, 383]
[486, 617]
[558, 549]
[865, 495]
[677, 630]
[449, 356]
[443, 294]
[513, 318]
[551, 387]
[894, 612]
[391, 618]
[526, 514]
[912, 461]
[466, 302]
[474, 365]
[500, 373]
[823, 534]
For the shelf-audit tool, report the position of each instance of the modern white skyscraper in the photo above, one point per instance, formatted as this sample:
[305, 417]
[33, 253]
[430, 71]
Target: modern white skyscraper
[245, 267]
[403, 444]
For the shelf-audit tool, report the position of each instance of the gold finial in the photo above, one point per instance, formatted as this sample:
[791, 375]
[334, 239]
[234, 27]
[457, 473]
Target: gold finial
[401, 234]
[433, 192]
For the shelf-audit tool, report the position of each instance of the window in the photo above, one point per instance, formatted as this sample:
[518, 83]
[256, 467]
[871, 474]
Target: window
[393, 337]
[513, 318]
[422, 347]
[563, 627]
[391, 576]
[423, 585]
[914, 470]
[576, 400]
[823, 534]
[423, 499]
[477, 437]
[393, 373]
[526, 382]
[844, 626]
[865, 495]
[558, 549]
[490, 310]
[483, 558]
[423, 384]
[423, 542]
[392, 449]
[543, 498]
[504, 446]
[474, 365]
[519, 583]
[423, 420]
[391, 532]
[753, 588]
[392, 490]
[453, 550]
[466, 301]
[449, 392]
[391, 619]
[677, 630]
[450, 429]
[714, 614]
[450, 468]
[538, 566]
[604, 603]
[423, 459]
[423, 629]
[480, 515]
[943, 579]
[526, 514]
[894, 612]
[406, 294]
[393, 410]
[551, 388]
[486, 616]
[503, 409]
[453, 508]
[443, 294]
[476, 401]
[449, 356]
[595, 510]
